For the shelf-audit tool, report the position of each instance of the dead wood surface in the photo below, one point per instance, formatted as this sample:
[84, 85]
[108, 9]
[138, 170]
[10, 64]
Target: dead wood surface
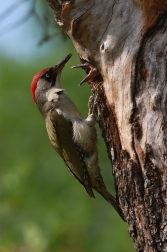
[127, 42]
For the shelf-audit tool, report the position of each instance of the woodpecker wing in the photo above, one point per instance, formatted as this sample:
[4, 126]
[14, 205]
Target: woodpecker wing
[61, 136]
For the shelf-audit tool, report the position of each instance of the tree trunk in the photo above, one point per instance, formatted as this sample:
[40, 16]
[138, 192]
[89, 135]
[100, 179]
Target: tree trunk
[127, 42]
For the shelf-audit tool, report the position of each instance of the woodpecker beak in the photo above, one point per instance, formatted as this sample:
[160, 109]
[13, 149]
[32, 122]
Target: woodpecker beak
[90, 69]
[57, 70]
[59, 66]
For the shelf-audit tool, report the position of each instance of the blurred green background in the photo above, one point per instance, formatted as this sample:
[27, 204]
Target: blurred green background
[42, 207]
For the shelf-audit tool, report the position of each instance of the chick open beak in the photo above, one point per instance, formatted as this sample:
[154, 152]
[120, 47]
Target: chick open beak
[92, 71]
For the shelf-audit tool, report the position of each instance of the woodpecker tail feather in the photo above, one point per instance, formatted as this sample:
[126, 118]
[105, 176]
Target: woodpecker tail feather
[113, 202]
[108, 197]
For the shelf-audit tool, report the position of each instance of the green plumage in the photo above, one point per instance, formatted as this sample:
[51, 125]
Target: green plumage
[61, 136]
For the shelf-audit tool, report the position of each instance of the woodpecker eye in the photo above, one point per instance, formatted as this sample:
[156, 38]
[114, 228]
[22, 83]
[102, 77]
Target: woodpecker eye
[50, 76]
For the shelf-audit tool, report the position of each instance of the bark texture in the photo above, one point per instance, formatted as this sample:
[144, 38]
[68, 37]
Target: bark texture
[127, 42]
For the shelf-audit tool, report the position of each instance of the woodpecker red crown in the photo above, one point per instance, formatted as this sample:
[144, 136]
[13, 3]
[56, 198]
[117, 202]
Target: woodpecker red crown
[34, 82]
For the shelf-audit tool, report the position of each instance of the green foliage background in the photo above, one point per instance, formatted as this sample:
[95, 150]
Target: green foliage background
[43, 208]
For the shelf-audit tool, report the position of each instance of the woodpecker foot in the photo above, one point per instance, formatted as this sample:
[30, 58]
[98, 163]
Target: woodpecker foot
[93, 71]
[91, 105]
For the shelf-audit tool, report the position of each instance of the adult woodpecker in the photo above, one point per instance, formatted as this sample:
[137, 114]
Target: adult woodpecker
[73, 137]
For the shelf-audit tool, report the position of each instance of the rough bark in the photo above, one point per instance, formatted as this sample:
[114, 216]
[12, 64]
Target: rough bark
[127, 42]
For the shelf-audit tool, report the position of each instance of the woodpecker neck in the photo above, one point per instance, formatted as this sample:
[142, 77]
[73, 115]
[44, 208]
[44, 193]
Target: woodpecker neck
[68, 109]
[43, 105]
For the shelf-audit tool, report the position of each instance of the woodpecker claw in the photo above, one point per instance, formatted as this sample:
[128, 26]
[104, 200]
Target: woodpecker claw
[93, 71]
[91, 105]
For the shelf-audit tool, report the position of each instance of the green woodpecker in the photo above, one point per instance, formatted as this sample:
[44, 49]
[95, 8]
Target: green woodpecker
[73, 137]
